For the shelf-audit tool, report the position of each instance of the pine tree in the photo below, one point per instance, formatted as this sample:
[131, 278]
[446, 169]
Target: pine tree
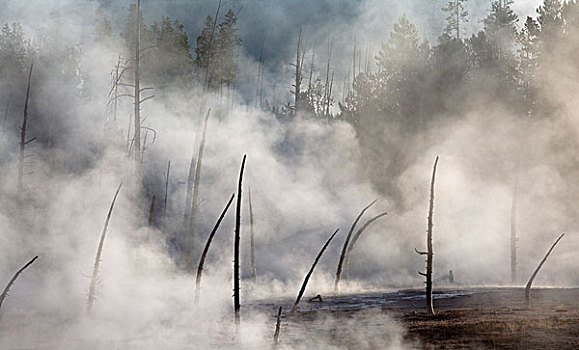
[103, 32]
[500, 29]
[172, 57]
[457, 15]
[402, 50]
[14, 52]
[217, 52]
[550, 22]
[205, 56]
[228, 43]
[528, 60]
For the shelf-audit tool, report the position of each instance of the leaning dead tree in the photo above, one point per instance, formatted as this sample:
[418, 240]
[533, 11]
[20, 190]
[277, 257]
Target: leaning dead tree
[9, 285]
[195, 196]
[97, 260]
[356, 238]
[528, 287]
[345, 247]
[166, 189]
[277, 328]
[236, 305]
[429, 254]
[309, 274]
[252, 242]
[23, 141]
[206, 249]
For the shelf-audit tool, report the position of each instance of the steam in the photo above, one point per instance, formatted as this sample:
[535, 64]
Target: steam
[307, 177]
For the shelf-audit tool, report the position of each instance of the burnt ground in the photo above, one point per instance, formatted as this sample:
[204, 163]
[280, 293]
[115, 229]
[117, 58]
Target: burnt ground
[498, 319]
[479, 319]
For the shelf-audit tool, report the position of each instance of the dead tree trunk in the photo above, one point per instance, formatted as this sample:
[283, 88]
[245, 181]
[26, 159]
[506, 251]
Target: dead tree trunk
[166, 189]
[195, 196]
[236, 305]
[305, 283]
[137, 94]
[151, 209]
[252, 243]
[23, 141]
[97, 260]
[5, 116]
[514, 233]
[355, 239]
[298, 74]
[277, 328]
[528, 287]
[259, 77]
[7, 289]
[429, 254]
[345, 247]
[206, 249]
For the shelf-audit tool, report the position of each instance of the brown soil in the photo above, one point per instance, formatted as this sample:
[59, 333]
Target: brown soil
[495, 319]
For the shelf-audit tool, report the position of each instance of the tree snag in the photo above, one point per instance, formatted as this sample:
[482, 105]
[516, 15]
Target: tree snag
[305, 283]
[137, 94]
[23, 141]
[97, 260]
[236, 305]
[195, 195]
[528, 287]
[252, 243]
[7, 289]
[429, 254]
[514, 232]
[166, 189]
[277, 328]
[356, 238]
[345, 247]
[206, 249]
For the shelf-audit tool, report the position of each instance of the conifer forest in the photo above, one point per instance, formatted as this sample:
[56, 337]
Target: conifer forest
[259, 174]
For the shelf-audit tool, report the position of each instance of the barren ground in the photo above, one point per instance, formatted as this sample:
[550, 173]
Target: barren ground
[478, 319]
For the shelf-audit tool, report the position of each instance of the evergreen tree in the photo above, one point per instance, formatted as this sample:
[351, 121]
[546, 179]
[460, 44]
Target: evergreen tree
[457, 15]
[172, 57]
[14, 51]
[528, 60]
[205, 53]
[103, 32]
[402, 53]
[550, 22]
[500, 29]
[217, 52]
[228, 43]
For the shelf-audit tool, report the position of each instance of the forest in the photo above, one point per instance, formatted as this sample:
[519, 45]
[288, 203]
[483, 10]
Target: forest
[124, 133]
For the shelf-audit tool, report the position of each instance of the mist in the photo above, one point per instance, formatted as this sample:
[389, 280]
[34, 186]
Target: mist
[311, 170]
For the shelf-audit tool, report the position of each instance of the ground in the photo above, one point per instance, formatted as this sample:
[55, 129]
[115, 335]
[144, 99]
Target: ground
[482, 318]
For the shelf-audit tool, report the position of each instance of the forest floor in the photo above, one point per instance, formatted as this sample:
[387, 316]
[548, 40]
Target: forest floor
[480, 318]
